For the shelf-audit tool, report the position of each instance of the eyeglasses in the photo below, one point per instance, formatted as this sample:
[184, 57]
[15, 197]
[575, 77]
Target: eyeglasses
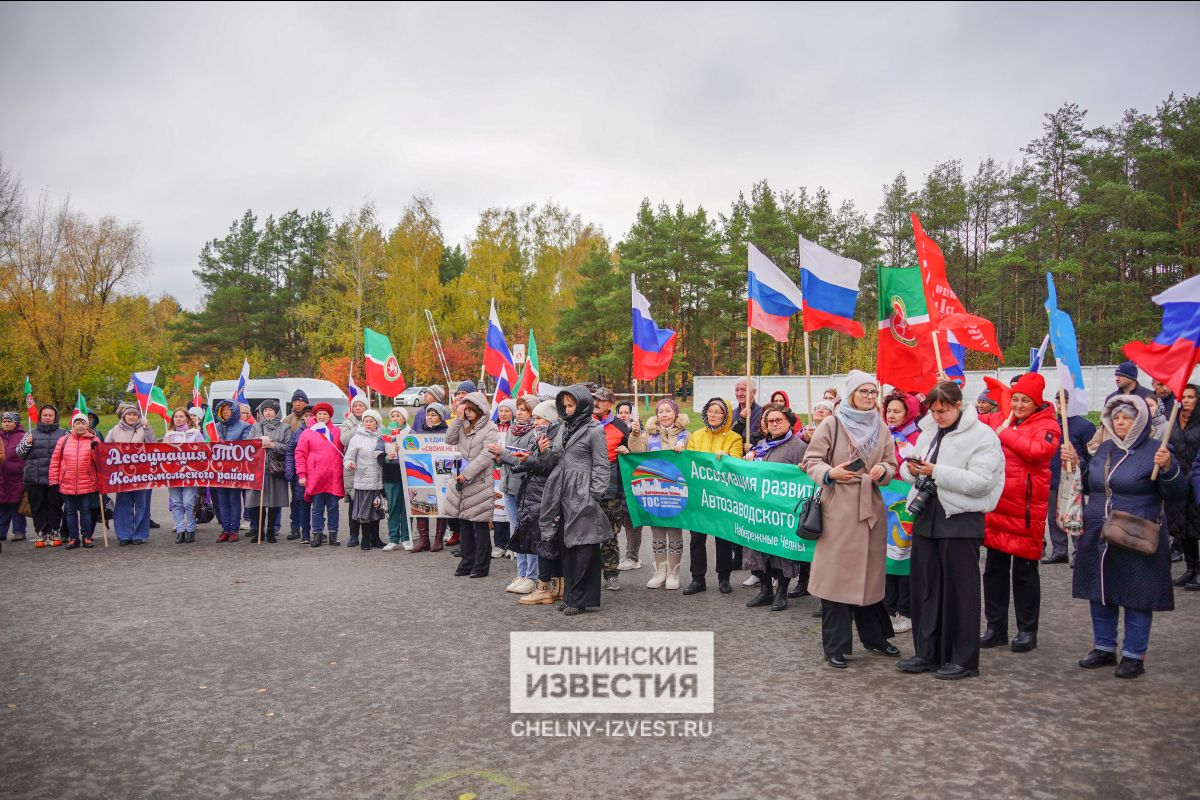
[867, 392]
[777, 421]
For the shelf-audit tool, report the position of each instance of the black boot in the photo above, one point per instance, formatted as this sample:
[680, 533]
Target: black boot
[352, 541]
[1188, 575]
[801, 590]
[781, 593]
[765, 596]
[364, 542]
[191, 537]
[178, 537]
[316, 539]
[333, 540]
[1194, 584]
[271, 536]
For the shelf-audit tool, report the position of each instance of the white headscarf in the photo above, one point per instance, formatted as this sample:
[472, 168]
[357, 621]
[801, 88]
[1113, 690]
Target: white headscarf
[861, 426]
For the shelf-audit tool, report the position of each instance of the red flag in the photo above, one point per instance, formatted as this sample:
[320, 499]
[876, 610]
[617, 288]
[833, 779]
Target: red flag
[1001, 395]
[945, 309]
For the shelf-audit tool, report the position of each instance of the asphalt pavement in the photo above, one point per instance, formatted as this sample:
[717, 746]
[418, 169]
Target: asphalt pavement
[280, 671]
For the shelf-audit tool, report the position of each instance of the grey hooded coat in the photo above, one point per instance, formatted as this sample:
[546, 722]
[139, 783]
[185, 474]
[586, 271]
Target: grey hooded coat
[580, 478]
[474, 498]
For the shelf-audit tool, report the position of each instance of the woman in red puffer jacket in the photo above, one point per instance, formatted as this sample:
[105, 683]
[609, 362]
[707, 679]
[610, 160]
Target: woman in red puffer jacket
[73, 471]
[1016, 529]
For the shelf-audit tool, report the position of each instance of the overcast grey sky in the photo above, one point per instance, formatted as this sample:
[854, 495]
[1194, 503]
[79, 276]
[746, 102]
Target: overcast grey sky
[183, 116]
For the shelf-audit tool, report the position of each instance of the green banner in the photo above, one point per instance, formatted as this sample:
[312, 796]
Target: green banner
[752, 503]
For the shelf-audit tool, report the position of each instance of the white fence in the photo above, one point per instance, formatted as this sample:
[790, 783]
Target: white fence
[1098, 379]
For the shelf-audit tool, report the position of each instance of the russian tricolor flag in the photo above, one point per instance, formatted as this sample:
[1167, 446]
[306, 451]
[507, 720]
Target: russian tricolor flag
[653, 347]
[773, 296]
[1173, 354]
[239, 393]
[150, 398]
[829, 289]
[498, 361]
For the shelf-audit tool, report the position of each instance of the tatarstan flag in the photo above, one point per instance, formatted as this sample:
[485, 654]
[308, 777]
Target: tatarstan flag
[382, 368]
[906, 359]
[30, 407]
[210, 426]
[531, 376]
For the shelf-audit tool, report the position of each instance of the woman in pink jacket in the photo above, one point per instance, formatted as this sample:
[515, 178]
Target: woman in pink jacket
[319, 471]
[73, 471]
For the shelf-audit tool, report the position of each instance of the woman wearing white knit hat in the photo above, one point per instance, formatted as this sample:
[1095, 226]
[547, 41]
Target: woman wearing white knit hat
[850, 457]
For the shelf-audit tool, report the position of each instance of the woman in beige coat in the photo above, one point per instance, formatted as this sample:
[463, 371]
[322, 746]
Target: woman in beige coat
[471, 498]
[851, 455]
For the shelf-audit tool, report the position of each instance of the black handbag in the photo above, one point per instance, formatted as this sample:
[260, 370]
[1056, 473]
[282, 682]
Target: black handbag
[811, 523]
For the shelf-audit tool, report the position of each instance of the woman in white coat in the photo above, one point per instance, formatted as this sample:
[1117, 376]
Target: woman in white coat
[966, 463]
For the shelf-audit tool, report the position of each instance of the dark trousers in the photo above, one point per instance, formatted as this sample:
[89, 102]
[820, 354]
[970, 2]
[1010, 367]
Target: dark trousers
[874, 626]
[475, 547]
[945, 609]
[9, 516]
[897, 595]
[549, 568]
[46, 505]
[581, 576]
[1026, 591]
[1191, 552]
[502, 532]
[271, 516]
[77, 509]
[699, 554]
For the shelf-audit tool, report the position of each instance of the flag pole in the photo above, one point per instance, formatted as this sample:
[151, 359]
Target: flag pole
[937, 353]
[749, 400]
[103, 521]
[808, 376]
[636, 409]
[262, 494]
[1166, 436]
[1062, 414]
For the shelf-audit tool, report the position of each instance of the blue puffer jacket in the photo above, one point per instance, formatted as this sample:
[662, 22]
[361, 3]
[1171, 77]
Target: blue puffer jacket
[234, 429]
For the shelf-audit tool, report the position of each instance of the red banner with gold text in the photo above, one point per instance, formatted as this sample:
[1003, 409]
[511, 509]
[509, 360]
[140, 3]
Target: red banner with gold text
[129, 467]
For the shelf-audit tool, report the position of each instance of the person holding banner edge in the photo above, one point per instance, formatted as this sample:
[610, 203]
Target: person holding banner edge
[131, 520]
[715, 437]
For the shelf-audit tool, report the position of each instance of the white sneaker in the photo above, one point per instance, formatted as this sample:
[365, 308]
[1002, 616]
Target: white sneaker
[497, 552]
[672, 579]
[509, 554]
[512, 585]
[390, 546]
[901, 623]
[525, 586]
[629, 563]
[406, 545]
[751, 581]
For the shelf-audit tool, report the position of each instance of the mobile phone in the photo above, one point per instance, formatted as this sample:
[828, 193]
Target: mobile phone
[913, 459]
[856, 465]
[512, 449]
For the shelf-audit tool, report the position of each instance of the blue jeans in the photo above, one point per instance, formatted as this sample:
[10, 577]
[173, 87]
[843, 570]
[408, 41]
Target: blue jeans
[1137, 630]
[510, 509]
[527, 565]
[131, 519]
[77, 509]
[300, 511]
[229, 509]
[9, 516]
[183, 508]
[324, 506]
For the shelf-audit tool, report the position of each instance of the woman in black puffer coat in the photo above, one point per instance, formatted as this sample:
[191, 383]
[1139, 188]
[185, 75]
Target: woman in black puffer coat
[1183, 516]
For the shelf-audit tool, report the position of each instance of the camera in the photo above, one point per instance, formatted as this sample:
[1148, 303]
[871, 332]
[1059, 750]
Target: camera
[926, 489]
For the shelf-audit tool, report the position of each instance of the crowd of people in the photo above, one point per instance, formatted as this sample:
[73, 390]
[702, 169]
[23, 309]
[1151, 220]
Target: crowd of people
[1006, 483]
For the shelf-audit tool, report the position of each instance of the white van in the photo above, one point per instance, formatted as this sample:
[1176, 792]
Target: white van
[281, 389]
